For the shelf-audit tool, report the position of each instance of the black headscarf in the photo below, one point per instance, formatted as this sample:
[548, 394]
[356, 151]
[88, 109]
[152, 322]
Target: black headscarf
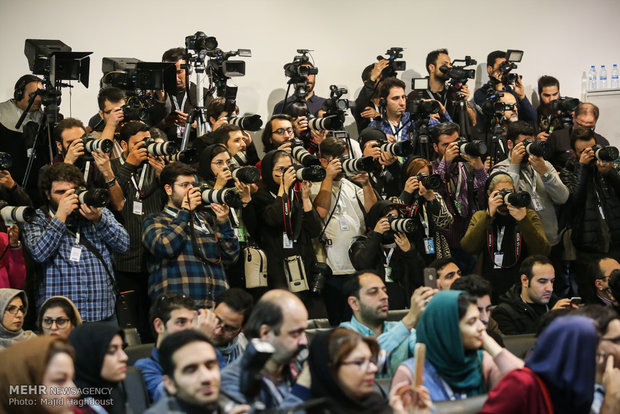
[91, 342]
[267, 170]
[206, 156]
[324, 384]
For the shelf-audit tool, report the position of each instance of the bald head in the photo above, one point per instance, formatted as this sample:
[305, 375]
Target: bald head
[273, 309]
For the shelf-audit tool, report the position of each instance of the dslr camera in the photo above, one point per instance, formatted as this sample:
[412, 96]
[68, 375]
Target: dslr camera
[517, 199]
[394, 65]
[353, 166]
[430, 182]
[401, 225]
[97, 144]
[605, 154]
[536, 148]
[12, 215]
[228, 196]
[97, 197]
[312, 173]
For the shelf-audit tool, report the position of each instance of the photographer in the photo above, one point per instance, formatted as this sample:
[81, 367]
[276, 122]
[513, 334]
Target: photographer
[137, 173]
[314, 102]
[386, 180]
[236, 141]
[277, 133]
[106, 124]
[187, 246]
[73, 243]
[429, 212]
[464, 177]
[69, 134]
[503, 235]
[367, 102]
[593, 210]
[548, 91]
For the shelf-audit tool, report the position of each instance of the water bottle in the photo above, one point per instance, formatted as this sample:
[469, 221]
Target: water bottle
[614, 77]
[603, 78]
[592, 78]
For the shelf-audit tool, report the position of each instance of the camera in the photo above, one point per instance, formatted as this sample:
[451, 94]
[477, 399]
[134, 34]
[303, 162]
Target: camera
[605, 154]
[97, 197]
[320, 273]
[239, 159]
[158, 149]
[227, 196]
[474, 148]
[295, 69]
[420, 108]
[187, 156]
[97, 144]
[400, 148]
[12, 214]
[313, 173]
[135, 112]
[6, 161]
[357, 165]
[536, 148]
[430, 182]
[564, 104]
[390, 70]
[335, 108]
[401, 225]
[506, 68]
[330, 122]
[517, 199]
[302, 155]
[247, 175]
[248, 123]
[200, 41]
[493, 107]
[459, 75]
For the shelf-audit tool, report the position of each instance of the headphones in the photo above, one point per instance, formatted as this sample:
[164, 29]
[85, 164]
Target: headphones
[20, 86]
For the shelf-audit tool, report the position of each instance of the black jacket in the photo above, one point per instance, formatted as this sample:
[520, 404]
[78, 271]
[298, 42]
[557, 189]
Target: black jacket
[514, 316]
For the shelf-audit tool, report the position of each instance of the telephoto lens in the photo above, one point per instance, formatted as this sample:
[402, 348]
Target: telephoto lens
[313, 173]
[159, 149]
[320, 124]
[357, 165]
[239, 159]
[536, 148]
[247, 175]
[400, 149]
[401, 225]
[473, 148]
[430, 182]
[516, 199]
[97, 197]
[302, 155]
[248, 123]
[97, 144]
[223, 196]
[12, 214]
[6, 161]
[605, 154]
[187, 156]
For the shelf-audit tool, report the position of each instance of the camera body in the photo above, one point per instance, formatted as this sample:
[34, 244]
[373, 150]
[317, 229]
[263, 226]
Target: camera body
[200, 41]
[517, 199]
[430, 182]
[97, 197]
[605, 154]
[394, 65]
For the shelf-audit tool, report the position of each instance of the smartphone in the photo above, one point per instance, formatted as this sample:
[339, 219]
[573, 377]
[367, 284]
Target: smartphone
[575, 300]
[419, 84]
[420, 357]
[430, 277]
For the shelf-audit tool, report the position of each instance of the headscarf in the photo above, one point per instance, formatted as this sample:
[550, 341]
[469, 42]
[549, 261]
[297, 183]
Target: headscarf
[325, 384]
[439, 330]
[564, 357]
[7, 337]
[24, 364]
[206, 156]
[65, 299]
[91, 342]
[267, 170]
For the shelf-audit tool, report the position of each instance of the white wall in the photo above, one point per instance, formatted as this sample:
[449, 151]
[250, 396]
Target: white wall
[559, 37]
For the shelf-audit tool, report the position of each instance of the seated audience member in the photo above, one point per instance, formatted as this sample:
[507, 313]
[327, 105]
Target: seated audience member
[12, 265]
[522, 306]
[462, 360]
[601, 270]
[281, 319]
[388, 253]
[44, 365]
[503, 236]
[14, 305]
[367, 296]
[447, 272]
[100, 367]
[58, 316]
[278, 133]
[342, 365]
[481, 290]
[68, 264]
[558, 376]
[191, 376]
[430, 213]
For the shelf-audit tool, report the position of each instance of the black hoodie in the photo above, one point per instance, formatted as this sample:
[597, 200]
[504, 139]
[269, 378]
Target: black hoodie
[516, 317]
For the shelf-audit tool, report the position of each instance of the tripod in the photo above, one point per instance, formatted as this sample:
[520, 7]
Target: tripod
[198, 114]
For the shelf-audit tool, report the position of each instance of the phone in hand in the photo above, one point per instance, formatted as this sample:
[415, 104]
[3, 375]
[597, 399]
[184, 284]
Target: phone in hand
[430, 277]
[575, 300]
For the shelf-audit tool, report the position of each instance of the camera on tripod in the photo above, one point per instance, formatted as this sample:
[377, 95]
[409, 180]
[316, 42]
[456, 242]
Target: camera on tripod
[297, 72]
[517, 199]
[459, 75]
[335, 108]
[508, 77]
[561, 113]
[394, 65]
[420, 108]
[493, 107]
[200, 42]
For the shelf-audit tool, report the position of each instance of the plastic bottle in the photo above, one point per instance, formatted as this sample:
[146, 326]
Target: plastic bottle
[614, 77]
[603, 78]
[592, 78]
[584, 85]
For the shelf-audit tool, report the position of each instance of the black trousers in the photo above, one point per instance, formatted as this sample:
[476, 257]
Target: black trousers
[133, 312]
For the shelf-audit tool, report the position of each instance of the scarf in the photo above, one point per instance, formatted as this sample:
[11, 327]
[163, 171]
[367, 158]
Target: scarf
[7, 337]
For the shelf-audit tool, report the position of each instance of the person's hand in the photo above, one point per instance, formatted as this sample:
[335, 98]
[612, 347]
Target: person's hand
[244, 191]
[247, 138]
[67, 204]
[518, 213]
[402, 242]
[465, 92]
[319, 136]
[419, 299]
[611, 382]
[490, 345]
[13, 232]
[137, 155]
[370, 113]
[374, 152]
[305, 190]
[562, 304]
[519, 88]
[160, 95]
[222, 179]
[206, 322]
[412, 184]
[517, 154]
[377, 68]
[240, 409]
[451, 152]
[442, 109]
[382, 225]
[300, 124]
[387, 159]
[221, 120]
[405, 400]
[221, 212]
[6, 180]
[495, 200]
[285, 147]
[116, 117]
[390, 138]
[429, 195]
[435, 117]
[102, 161]
[305, 378]
[542, 136]
[158, 164]
[90, 213]
[180, 118]
[487, 164]
[361, 178]
[192, 199]
[75, 151]
[586, 157]
[333, 169]
[538, 164]
[288, 178]
[604, 167]
[475, 162]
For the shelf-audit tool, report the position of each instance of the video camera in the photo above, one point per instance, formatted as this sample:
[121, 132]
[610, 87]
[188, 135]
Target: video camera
[390, 70]
[517, 199]
[298, 70]
[506, 68]
[420, 108]
[560, 114]
[493, 107]
[459, 75]
[335, 108]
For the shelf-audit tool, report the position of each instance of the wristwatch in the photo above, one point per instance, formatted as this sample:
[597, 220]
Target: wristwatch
[111, 182]
[546, 175]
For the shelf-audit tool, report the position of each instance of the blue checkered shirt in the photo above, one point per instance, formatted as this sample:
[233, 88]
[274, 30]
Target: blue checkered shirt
[86, 281]
[171, 260]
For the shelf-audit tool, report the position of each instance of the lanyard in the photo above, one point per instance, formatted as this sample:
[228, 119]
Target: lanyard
[396, 129]
[388, 257]
[531, 181]
[176, 102]
[424, 221]
[500, 237]
[138, 186]
[77, 237]
[459, 181]
[432, 95]
[86, 171]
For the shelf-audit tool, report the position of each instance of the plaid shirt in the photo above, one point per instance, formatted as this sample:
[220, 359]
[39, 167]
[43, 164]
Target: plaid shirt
[174, 266]
[86, 281]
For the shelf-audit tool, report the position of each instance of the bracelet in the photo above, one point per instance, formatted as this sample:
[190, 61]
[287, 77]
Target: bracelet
[111, 182]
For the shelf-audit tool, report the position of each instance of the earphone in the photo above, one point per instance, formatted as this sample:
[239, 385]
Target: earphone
[20, 86]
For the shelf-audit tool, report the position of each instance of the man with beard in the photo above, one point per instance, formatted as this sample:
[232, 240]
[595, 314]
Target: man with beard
[548, 91]
[63, 239]
[314, 102]
[69, 133]
[187, 248]
[280, 319]
[367, 296]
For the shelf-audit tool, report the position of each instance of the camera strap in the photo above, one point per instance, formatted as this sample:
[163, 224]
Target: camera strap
[491, 241]
[286, 214]
[331, 214]
[86, 171]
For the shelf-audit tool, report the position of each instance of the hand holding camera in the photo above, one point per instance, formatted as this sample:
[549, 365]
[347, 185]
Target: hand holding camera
[495, 200]
[604, 167]
[138, 154]
[402, 242]
[452, 152]
[382, 225]
[378, 68]
[90, 213]
[586, 157]
[333, 168]
[158, 163]
[116, 117]
[221, 212]
[75, 151]
[518, 213]
[67, 204]
[288, 179]
[222, 179]
[518, 154]
[192, 199]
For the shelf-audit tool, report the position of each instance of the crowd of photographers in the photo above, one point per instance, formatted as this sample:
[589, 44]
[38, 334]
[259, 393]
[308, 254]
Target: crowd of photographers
[168, 217]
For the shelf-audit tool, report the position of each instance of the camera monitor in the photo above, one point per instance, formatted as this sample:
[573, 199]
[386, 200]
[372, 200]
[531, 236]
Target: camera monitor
[55, 59]
[110, 64]
[419, 84]
[514, 55]
[156, 75]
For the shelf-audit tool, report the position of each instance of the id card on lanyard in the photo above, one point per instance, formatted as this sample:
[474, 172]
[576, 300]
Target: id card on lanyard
[180, 128]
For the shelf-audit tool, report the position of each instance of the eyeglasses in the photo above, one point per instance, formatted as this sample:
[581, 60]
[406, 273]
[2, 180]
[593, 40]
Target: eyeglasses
[221, 163]
[60, 322]
[185, 184]
[281, 131]
[12, 309]
[225, 327]
[362, 364]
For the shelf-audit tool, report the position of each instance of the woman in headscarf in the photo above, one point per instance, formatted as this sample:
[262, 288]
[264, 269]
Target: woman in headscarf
[558, 376]
[14, 305]
[343, 365]
[100, 366]
[41, 361]
[462, 360]
[58, 316]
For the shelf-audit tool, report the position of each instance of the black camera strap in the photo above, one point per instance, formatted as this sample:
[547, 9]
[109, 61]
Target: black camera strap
[331, 214]
[491, 241]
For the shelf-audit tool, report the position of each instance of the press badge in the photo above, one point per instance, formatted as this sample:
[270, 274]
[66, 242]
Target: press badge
[137, 208]
[76, 252]
[388, 273]
[344, 225]
[498, 260]
[537, 204]
[429, 245]
[240, 234]
[286, 242]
